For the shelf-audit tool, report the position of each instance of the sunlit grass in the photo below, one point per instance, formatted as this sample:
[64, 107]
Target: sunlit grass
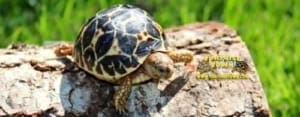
[270, 28]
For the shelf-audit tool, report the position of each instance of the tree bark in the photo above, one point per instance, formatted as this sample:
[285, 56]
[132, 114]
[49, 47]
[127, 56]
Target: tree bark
[35, 82]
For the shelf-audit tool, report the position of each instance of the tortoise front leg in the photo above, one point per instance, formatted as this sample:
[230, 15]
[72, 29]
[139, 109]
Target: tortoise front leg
[185, 56]
[121, 95]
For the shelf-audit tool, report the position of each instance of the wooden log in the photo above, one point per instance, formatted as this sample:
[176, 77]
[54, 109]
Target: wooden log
[35, 82]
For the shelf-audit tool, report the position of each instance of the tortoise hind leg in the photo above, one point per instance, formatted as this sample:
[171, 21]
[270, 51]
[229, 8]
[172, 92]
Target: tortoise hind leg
[63, 50]
[121, 95]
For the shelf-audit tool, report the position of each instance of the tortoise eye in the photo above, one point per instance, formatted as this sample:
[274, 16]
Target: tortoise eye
[160, 69]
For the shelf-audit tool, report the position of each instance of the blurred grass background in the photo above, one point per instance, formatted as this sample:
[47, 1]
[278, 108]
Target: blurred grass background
[270, 28]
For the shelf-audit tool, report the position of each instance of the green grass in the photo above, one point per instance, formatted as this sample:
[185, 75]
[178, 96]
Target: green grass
[270, 28]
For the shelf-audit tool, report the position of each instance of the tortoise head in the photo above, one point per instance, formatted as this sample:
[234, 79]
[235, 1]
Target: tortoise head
[159, 65]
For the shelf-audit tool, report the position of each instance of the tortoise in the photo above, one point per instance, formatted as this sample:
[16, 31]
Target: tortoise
[123, 45]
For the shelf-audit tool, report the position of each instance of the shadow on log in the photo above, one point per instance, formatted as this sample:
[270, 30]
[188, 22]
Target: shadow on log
[35, 82]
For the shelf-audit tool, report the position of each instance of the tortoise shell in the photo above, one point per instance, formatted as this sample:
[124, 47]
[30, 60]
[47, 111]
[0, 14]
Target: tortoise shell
[116, 41]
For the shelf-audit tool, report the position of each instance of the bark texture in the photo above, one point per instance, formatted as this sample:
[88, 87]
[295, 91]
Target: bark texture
[35, 82]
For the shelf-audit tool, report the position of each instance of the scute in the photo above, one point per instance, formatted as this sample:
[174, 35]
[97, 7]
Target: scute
[127, 43]
[116, 41]
[89, 34]
[101, 21]
[145, 47]
[108, 27]
[90, 58]
[134, 28]
[151, 29]
[120, 13]
[103, 44]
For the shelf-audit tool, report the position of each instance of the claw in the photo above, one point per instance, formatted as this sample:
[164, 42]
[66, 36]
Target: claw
[119, 104]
